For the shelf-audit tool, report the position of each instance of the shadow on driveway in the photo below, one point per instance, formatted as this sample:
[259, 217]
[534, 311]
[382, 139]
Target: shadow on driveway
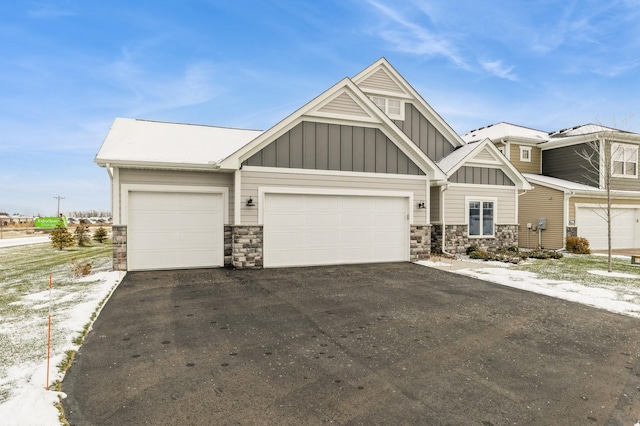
[362, 344]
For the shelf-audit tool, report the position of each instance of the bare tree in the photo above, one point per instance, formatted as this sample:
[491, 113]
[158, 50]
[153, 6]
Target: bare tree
[601, 156]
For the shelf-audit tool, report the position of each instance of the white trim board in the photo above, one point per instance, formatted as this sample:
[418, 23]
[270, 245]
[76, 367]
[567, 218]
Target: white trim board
[134, 187]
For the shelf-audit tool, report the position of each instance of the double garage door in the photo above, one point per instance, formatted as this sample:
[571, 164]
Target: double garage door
[305, 229]
[624, 227]
[173, 230]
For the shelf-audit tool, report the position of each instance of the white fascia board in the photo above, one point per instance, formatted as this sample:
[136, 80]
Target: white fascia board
[319, 172]
[574, 140]
[156, 165]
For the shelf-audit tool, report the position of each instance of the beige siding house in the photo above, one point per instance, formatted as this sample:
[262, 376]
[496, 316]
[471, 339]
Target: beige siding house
[365, 172]
[569, 192]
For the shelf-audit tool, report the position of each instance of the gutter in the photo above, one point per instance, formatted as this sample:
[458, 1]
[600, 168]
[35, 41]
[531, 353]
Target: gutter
[211, 165]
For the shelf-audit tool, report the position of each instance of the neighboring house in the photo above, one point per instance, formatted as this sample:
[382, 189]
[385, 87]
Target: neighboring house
[568, 192]
[365, 172]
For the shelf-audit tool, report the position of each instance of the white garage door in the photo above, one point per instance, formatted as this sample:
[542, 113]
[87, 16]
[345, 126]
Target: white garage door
[172, 230]
[593, 227]
[301, 230]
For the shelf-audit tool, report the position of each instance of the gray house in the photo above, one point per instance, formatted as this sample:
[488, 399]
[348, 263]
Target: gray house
[365, 172]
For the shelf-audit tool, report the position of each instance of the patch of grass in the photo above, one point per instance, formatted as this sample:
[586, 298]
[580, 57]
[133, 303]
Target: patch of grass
[24, 301]
[576, 268]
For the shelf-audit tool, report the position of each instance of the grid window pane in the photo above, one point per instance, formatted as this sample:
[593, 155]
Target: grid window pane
[487, 218]
[474, 218]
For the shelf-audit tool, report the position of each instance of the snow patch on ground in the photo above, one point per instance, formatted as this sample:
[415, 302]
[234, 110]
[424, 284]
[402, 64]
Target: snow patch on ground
[29, 403]
[603, 298]
[613, 274]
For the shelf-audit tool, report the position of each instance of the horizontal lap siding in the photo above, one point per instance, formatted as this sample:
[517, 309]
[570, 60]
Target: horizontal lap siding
[175, 177]
[456, 210]
[253, 180]
[537, 203]
[625, 184]
[435, 203]
[533, 166]
[566, 163]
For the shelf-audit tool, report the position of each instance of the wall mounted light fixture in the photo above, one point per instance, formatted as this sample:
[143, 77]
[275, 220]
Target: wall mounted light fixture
[421, 205]
[250, 202]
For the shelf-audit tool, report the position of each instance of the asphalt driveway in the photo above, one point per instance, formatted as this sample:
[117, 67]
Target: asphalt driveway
[363, 344]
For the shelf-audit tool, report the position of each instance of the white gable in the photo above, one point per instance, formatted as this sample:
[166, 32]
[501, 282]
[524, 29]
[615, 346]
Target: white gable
[382, 81]
[343, 104]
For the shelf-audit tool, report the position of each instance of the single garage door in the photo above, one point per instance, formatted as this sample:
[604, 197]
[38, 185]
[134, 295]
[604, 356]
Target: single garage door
[302, 230]
[173, 230]
[593, 227]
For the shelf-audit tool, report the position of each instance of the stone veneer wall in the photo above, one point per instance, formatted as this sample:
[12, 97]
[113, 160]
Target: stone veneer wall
[420, 242]
[457, 239]
[119, 238]
[246, 246]
[436, 239]
[228, 245]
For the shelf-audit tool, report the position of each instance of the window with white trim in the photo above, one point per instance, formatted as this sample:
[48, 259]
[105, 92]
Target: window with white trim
[525, 154]
[391, 107]
[624, 160]
[481, 214]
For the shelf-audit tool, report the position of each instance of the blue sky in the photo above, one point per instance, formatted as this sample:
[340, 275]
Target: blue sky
[68, 68]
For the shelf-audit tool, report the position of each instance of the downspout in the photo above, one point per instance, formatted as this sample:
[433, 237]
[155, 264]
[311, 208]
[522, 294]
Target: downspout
[443, 188]
[567, 196]
[518, 194]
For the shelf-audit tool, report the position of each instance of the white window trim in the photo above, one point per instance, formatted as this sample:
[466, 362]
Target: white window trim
[494, 200]
[615, 146]
[386, 106]
[526, 149]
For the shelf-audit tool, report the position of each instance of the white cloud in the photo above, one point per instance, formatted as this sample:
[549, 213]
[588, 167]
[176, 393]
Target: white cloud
[409, 37]
[499, 70]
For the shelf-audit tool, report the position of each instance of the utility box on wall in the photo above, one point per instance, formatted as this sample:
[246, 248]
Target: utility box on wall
[542, 223]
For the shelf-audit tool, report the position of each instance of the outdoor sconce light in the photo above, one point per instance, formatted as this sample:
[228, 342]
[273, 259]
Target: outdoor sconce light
[250, 202]
[421, 205]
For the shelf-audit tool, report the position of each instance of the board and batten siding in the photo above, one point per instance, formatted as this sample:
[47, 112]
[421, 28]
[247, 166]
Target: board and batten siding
[424, 134]
[481, 176]
[252, 180]
[322, 146]
[455, 207]
[566, 163]
[534, 166]
[541, 202]
[176, 177]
